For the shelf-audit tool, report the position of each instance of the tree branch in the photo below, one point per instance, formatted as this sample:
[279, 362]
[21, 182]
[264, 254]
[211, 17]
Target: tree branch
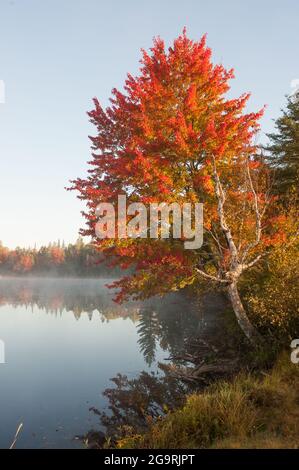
[220, 194]
[210, 277]
[253, 262]
[258, 216]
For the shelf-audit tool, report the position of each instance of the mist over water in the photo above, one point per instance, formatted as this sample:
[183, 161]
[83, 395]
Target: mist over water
[64, 339]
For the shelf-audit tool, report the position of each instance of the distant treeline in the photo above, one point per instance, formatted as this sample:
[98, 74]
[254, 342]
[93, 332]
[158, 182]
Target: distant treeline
[56, 259]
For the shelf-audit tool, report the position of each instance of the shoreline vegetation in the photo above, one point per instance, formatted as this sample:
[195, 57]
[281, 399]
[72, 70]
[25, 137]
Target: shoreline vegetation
[250, 411]
[220, 393]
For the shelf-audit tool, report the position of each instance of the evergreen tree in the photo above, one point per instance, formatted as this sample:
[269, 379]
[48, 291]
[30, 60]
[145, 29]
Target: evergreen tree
[284, 147]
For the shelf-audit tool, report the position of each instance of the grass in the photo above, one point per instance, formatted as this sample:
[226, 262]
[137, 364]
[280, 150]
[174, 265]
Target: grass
[249, 412]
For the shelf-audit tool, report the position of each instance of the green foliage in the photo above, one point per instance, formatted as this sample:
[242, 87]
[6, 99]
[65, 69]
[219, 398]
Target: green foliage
[284, 148]
[248, 412]
[272, 294]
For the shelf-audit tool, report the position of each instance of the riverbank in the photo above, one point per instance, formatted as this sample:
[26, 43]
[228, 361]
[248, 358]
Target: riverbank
[251, 411]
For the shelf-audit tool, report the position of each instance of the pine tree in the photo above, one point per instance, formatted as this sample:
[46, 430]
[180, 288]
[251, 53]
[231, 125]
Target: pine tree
[283, 150]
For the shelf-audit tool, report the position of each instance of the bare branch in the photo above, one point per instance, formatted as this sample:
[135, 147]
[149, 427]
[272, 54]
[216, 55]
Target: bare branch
[210, 277]
[216, 239]
[16, 435]
[258, 216]
[253, 262]
[220, 194]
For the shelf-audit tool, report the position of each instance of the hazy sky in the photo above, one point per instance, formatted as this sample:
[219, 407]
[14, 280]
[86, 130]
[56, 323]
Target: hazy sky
[55, 55]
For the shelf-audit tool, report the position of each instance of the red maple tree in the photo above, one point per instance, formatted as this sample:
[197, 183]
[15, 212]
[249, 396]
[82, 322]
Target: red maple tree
[174, 136]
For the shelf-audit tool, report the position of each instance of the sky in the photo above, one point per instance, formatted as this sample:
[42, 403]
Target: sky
[56, 55]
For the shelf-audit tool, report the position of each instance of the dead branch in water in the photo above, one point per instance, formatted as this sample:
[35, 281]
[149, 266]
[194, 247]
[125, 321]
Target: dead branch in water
[16, 435]
[208, 363]
[202, 373]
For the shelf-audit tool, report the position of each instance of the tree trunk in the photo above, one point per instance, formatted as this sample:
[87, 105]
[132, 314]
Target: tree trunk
[243, 321]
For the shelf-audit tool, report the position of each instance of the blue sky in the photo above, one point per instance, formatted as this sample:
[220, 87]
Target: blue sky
[55, 55]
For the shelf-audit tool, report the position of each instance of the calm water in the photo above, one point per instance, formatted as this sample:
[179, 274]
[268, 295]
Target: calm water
[64, 339]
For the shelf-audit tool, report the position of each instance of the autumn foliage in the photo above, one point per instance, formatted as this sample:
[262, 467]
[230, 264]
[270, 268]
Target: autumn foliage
[174, 136]
[77, 259]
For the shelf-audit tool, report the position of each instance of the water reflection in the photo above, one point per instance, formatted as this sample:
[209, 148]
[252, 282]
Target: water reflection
[165, 322]
[134, 403]
[55, 296]
[65, 339]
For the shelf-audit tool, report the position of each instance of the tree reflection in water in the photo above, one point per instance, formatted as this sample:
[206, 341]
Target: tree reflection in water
[134, 403]
[167, 321]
